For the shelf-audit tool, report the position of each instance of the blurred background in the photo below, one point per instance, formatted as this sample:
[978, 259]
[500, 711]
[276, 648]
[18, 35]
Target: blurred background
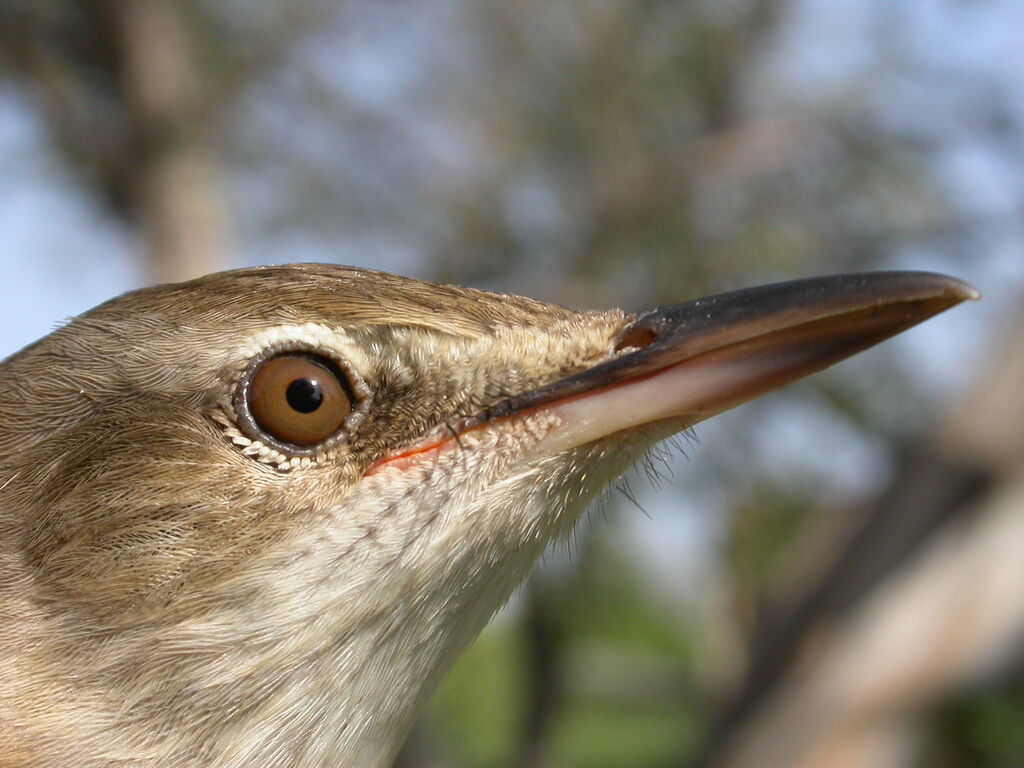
[830, 577]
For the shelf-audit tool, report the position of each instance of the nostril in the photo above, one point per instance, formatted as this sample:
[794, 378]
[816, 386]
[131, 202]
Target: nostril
[636, 337]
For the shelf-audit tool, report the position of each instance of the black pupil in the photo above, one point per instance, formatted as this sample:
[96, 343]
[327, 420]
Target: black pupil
[304, 395]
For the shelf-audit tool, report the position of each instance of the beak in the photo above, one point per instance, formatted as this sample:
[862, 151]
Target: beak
[683, 363]
[689, 361]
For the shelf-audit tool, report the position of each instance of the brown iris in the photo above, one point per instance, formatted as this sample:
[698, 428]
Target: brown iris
[299, 399]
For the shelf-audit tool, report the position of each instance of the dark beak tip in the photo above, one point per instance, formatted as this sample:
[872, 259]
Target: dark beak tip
[935, 293]
[958, 290]
[925, 286]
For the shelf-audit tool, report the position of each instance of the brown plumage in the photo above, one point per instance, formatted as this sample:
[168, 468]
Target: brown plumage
[179, 587]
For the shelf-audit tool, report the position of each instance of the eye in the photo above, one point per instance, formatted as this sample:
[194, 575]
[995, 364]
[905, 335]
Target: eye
[299, 399]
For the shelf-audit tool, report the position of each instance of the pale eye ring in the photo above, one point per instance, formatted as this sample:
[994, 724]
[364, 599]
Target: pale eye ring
[297, 401]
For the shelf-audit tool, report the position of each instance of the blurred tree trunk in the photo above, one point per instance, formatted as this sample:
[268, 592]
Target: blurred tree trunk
[124, 96]
[924, 597]
[180, 204]
[544, 645]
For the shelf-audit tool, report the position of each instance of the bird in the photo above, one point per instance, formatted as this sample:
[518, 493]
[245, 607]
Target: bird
[252, 519]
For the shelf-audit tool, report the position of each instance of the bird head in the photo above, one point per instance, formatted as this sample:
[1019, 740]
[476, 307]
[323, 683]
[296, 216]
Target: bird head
[253, 518]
